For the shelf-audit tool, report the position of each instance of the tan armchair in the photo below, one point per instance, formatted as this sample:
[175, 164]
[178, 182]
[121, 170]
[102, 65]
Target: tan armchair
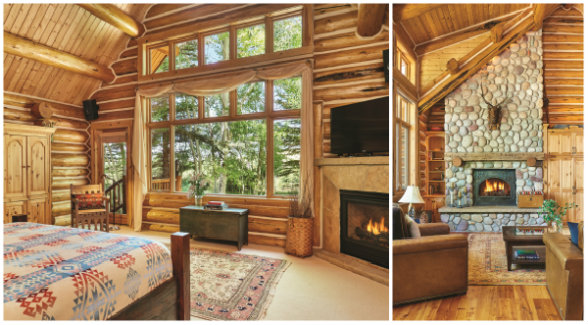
[564, 270]
[433, 266]
[84, 215]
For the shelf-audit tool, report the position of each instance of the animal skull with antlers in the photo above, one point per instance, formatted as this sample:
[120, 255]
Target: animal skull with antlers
[494, 111]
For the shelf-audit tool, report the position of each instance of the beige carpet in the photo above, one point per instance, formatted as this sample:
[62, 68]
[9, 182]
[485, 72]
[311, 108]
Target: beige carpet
[487, 263]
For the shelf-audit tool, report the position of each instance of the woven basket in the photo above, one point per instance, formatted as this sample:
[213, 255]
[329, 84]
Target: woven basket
[299, 237]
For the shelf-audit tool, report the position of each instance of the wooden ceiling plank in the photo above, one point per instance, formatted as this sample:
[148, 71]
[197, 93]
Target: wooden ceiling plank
[20, 46]
[164, 8]
[114, 16]
[403, 12]
[20, 14]
[448, 84]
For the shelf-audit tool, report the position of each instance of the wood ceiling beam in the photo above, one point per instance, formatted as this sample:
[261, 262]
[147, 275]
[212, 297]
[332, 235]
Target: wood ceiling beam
[370, 18]
[19, 46]
[466, 33]
[403, 12]
[114, 16]
[447, 82]
[542, 11]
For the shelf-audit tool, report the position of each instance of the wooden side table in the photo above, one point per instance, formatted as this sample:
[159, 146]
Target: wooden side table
[227, 224]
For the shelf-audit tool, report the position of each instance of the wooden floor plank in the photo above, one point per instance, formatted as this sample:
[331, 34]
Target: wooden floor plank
[485, 303]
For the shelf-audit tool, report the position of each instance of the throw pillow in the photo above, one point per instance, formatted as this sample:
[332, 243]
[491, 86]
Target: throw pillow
[90, 201]
[399, 227]
[573, 232]
[413, 228]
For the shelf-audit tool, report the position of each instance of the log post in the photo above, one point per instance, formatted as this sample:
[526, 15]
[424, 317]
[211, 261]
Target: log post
[370, 18]
[452, 66]
[114, 16]
[19, 46]
[496, 34]
[180, 251]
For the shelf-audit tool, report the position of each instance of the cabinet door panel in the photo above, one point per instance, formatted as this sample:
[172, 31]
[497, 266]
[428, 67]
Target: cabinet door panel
[38, 211]
[14, 166]
[38, 156]
[13, 208]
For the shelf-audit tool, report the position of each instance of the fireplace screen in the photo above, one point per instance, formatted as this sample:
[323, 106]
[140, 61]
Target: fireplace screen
[494, 187]
[365, 226]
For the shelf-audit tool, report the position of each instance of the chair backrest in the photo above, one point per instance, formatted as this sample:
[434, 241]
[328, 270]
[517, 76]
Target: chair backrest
[86, 189]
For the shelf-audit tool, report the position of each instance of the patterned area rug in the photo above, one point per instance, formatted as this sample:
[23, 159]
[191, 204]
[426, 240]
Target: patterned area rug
[487, 263]
[230, 286]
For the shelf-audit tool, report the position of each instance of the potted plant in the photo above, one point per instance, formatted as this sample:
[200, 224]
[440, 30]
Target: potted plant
[553, 213]
[299, 234]
[198, 184]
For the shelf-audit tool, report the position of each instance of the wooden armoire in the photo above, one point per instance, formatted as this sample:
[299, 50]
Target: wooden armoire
[27, 172]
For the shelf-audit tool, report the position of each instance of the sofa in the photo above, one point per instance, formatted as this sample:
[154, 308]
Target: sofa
[564, 272]
[430, 266]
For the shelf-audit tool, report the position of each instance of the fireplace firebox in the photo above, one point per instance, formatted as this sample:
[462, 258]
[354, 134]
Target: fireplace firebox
[365, 226]
[494, 187]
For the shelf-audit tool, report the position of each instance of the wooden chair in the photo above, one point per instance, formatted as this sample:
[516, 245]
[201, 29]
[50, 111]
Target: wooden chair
[89, 217]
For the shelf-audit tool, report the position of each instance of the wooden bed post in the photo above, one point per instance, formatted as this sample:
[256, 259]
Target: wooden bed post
[180, 251]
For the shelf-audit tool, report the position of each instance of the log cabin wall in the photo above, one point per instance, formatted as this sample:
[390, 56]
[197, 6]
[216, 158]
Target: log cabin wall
[347, 69]
[69, 151]
[563, 60]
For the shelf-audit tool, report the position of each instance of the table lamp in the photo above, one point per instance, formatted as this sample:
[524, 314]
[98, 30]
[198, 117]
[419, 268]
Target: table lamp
[411, 195]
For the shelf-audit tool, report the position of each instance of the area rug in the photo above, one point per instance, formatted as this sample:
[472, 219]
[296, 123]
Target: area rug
[230, 286]
[487, 263]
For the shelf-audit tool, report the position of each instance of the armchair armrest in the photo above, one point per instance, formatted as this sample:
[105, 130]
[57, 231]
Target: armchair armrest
[428, 244]
[438, 228]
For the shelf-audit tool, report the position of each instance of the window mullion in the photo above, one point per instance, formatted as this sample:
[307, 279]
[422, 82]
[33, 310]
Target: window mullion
[269, 35]
[172, 162]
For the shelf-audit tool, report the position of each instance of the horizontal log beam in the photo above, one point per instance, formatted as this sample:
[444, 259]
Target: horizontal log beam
[370, 18]
[114, 16]
[483, 156]
[19, 46]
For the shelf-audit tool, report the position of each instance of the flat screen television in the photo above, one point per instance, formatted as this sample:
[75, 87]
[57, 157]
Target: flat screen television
[360, 128]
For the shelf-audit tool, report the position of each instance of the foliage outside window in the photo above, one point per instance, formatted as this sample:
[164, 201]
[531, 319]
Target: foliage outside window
[402, 126]
[250, 41]
[246, 42]
[159, 109]
[231, 150]
[216, 48]
[186, 54]
[287, 33]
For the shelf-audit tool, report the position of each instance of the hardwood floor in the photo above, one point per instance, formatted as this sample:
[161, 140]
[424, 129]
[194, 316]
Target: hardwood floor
[485, 303]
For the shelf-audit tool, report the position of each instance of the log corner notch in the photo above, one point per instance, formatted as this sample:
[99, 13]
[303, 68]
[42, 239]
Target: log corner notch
[114, 16]
[20, 46]
[370, 19]
[530, 19]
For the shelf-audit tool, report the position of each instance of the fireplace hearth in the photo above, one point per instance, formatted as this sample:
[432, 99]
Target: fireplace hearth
[494, 187]
[365, 226]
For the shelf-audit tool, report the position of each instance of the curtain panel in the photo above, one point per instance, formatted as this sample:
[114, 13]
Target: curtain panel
[213, 85]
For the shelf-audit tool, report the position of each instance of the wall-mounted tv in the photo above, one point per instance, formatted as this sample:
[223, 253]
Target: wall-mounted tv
[360, 128]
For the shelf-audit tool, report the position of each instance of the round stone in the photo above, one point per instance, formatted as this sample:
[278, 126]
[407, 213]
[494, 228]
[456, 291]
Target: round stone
[467, 140]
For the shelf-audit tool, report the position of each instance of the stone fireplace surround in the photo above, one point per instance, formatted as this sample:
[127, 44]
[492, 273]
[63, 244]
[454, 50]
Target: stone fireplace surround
[517, 75]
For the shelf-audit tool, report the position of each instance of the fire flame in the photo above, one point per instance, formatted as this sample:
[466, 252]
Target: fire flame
[493, 186]
[377, 228]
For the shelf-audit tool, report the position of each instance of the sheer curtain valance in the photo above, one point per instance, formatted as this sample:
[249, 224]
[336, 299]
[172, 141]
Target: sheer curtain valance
[212, 85]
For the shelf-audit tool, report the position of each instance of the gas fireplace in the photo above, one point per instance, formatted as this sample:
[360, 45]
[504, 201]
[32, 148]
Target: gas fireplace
[494, 187]
[365, 226]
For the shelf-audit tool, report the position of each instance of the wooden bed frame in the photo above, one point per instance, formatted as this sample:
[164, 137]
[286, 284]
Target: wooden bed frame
[171, 299]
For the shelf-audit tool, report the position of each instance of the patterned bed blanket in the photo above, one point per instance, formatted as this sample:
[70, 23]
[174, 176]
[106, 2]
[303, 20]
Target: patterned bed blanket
[53, 272]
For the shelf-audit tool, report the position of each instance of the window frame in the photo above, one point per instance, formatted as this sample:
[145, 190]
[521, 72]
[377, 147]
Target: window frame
[269, 116]
[402, 119]
[185, 33]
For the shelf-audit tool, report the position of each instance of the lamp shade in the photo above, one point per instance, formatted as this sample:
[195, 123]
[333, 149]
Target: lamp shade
[412, 195]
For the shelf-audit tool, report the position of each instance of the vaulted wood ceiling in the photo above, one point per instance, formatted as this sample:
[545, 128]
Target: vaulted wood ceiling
[68, 28]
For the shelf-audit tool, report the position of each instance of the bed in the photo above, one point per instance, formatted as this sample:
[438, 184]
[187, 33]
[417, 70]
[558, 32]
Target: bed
[63, 273]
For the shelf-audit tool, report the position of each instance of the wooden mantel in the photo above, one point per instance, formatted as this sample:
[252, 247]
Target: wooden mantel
[491, 156]
[352, 161]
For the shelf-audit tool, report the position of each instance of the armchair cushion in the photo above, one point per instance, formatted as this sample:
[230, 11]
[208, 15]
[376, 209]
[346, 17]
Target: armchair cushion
[90, 201]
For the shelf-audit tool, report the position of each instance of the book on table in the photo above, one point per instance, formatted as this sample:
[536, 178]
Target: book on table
[526, 254]
[215, 205]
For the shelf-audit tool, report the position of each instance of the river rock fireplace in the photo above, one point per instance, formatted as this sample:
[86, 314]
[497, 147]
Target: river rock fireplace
[365, 226]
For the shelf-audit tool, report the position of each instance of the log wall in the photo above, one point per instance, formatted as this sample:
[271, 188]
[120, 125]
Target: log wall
[69, 151]
[347, 69]
[563, 60]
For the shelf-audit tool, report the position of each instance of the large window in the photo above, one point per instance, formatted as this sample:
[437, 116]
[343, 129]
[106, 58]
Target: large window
[246, 142]
[258, 38]
[403, 112]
